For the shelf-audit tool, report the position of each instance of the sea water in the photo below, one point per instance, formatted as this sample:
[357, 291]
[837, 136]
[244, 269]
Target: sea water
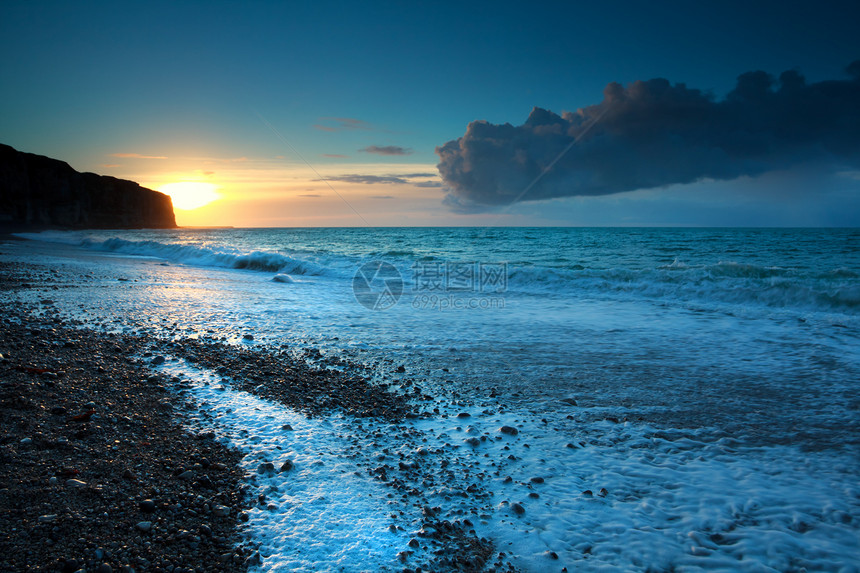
[706, 379]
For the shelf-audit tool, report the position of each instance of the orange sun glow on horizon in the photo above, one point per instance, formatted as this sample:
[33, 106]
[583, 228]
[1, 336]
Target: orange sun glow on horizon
[188, 195]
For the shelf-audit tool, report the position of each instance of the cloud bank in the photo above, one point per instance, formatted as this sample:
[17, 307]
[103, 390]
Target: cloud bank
[654, 134]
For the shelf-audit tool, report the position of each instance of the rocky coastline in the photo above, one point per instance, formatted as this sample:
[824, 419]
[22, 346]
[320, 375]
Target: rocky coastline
[38, 193]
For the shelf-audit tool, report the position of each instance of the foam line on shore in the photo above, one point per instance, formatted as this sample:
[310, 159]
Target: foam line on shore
[317, 515]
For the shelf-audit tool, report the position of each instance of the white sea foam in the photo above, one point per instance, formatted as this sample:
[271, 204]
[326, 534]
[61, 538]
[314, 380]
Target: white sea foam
[319, 515]
[658, 499]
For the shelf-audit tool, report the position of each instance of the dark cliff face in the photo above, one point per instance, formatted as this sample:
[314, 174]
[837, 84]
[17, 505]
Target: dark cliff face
[37, 191]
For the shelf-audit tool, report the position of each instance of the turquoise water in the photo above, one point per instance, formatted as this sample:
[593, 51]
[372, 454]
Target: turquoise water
[750, 331]
[714, 371]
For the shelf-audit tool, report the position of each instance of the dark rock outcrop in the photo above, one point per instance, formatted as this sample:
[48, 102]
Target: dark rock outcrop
[40, 192]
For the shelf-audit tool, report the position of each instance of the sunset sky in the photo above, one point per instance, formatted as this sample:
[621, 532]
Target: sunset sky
[330, 114]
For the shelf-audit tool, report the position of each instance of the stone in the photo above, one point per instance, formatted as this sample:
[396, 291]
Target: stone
[287, 466]
[158, 360]
[144, 526]
[518, 509]
[509, 430]
[248, 337]
[536, 480]
[266, 468]
[287, 428]
[47, 518]
[187, 475]
[75, 483]
[104, 568]
[570, 401]
[220, 511]
[58, 411]
[146, 506]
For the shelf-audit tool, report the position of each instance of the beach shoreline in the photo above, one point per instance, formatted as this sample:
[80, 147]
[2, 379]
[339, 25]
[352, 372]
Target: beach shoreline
[97, 471]
[92, 407]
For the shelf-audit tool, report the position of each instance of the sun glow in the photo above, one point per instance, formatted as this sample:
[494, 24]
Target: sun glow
[188, 195]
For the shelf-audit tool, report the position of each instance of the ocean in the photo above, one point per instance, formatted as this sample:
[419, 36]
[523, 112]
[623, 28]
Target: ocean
[684, 398]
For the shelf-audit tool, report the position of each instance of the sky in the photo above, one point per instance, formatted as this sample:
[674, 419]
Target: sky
[449, 113]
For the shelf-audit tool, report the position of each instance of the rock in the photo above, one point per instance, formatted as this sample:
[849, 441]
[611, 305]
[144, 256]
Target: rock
[588, 493]
[287, 428]
[474, 442]
[104, 568]
[220, 511]
[58, 411]
[603, 492]
[128, 474]
[45, 192]
[75, 483]
[47, 518]
[205, 530]
[266, 468]
[26, 441]
[146, 506]
[536, 480]
[509, 430]
[401, 368]
[187, 475]
[518, 509]
[464, 415]
[144, 526]
[53, 480]
[413, 543]
[287, 466]
[158, 360]
[248, 337]
[570, 401]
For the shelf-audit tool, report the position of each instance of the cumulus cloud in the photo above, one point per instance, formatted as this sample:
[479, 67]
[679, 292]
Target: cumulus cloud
[654, 134]
[387, 150]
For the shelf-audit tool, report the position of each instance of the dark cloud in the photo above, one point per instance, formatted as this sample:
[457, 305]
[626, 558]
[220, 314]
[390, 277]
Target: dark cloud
[381, 197]
[428, 184]
[654, 134]
[387, 150]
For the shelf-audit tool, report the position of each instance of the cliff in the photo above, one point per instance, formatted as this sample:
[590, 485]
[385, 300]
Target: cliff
[40, 192]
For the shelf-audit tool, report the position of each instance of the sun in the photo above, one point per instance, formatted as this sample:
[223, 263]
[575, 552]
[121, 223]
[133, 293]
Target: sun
[188, 195]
